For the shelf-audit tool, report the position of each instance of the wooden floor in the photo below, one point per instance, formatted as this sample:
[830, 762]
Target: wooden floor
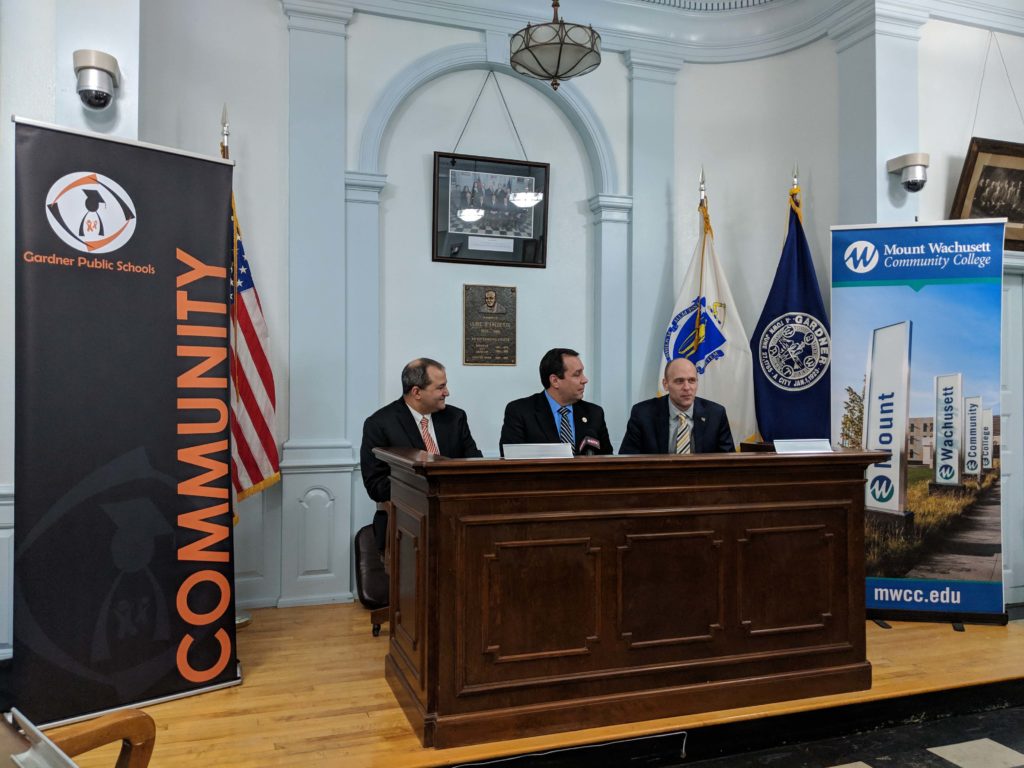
[314, 695]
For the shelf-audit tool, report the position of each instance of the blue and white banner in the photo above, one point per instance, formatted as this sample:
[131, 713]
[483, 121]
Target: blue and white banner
[943, 281]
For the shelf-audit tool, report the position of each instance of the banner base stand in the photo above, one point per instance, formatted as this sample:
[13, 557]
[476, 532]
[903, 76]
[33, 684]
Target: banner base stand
[149, 702]
[938, 617]
[242, 619]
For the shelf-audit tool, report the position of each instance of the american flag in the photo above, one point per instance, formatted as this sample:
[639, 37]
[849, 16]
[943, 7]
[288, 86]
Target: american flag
[254, 460]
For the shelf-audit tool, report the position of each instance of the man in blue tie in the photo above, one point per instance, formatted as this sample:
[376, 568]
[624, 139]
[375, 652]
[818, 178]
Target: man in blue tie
[559, 414]
[679, 423]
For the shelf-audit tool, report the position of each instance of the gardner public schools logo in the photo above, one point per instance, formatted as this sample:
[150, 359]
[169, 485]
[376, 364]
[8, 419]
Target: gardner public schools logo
[861, 257]
[946, 472]
[90, 212]
[881, 489]
[794, 351]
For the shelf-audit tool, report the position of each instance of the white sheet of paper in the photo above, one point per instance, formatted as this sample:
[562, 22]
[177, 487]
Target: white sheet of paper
[538, 451]
[803, 446]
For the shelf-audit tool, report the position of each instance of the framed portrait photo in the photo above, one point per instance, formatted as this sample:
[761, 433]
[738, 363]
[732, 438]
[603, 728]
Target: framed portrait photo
[490, 211]
[992, 185]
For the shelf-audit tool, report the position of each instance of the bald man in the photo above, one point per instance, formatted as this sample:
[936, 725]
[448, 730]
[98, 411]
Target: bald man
[679, 423]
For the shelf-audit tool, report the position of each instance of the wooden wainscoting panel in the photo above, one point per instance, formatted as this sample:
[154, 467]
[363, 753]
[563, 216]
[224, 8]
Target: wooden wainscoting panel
[689, 606]
[541, 599]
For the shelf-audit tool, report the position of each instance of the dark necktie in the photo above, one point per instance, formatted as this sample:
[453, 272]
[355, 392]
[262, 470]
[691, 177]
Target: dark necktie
[564, 428]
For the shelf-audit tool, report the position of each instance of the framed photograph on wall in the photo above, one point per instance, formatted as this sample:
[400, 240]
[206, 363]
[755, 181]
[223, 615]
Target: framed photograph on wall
[992, 185]
[490, 211]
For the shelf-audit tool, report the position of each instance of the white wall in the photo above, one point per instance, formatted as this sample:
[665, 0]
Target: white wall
[964, 93]
[196, 57]
[422, 301]
[747, 124]
[26, 89]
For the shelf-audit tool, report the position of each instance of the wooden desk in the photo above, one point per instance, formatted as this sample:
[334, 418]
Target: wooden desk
[536, 596]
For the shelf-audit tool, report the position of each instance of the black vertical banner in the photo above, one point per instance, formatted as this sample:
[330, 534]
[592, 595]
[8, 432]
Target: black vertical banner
[123, 580]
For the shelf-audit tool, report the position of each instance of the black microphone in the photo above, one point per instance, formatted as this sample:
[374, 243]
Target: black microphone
[589, 447]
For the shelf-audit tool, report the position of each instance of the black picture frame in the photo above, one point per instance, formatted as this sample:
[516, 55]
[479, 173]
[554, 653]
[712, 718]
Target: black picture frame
[480, 215]
[992, 185]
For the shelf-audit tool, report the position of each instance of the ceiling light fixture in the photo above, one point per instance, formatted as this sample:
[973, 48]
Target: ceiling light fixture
[556, 50]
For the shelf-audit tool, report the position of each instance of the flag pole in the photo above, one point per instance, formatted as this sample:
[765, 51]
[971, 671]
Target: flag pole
[242, 617]
[703, 207]
[794, 194]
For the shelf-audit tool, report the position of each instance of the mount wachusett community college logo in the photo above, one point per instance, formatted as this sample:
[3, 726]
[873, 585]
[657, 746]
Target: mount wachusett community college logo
[794, 351]
[90, 212]
[861, 257]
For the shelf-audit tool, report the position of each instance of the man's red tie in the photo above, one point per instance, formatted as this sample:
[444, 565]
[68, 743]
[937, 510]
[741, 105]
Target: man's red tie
[427, 439]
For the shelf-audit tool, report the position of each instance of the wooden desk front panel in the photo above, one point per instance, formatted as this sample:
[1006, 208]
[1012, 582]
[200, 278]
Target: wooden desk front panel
[591, 602]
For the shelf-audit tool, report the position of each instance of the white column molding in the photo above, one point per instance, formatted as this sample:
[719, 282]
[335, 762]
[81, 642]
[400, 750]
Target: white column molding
[363, 320]
[655, 69]
[497, 47]
[852, 24]
[895, 19]
[328, 17]
[611, 221]
[316, 540]
[652, 183]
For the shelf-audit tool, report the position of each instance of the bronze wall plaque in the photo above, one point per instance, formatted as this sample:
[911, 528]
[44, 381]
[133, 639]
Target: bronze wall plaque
[488, 325]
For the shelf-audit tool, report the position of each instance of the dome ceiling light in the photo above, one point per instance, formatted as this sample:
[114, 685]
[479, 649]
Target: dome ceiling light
[556, 50]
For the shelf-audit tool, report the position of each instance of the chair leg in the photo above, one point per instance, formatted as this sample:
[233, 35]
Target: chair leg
[377, 617]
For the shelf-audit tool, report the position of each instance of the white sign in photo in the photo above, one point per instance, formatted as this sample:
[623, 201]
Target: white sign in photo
[972, 435]
[986, 438]
[948, 423]
[885, 416]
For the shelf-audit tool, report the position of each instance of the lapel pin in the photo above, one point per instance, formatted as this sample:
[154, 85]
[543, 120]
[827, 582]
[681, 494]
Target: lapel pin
[703, 419]
[584, 419]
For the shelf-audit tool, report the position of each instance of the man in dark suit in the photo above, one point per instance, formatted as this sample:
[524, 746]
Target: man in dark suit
[418, 419]
[679, 423]
[558, 414]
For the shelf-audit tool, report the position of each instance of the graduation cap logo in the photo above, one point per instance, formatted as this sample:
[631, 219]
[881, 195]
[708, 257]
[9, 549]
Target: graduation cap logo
[90, 212]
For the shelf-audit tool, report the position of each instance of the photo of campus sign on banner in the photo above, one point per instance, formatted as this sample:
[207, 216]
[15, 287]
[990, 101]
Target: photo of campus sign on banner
[916, 320]
[123, 574]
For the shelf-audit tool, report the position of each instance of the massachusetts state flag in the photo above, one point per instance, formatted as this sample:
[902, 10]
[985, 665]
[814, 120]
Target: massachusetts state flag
[254, 459]
[791, 345]
[706, 328]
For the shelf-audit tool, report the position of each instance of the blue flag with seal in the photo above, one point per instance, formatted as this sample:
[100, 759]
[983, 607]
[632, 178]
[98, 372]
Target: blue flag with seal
[791, 345]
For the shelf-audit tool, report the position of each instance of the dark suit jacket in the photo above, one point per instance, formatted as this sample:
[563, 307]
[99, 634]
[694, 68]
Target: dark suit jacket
[394, 427]
[529, 420]
[647, 430]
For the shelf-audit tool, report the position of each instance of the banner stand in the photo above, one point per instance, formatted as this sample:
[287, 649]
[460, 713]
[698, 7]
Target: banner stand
[123, 551]
[933, 516]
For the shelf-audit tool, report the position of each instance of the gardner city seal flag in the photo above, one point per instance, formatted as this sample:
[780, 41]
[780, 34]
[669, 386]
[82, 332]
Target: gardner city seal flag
[791, 345]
